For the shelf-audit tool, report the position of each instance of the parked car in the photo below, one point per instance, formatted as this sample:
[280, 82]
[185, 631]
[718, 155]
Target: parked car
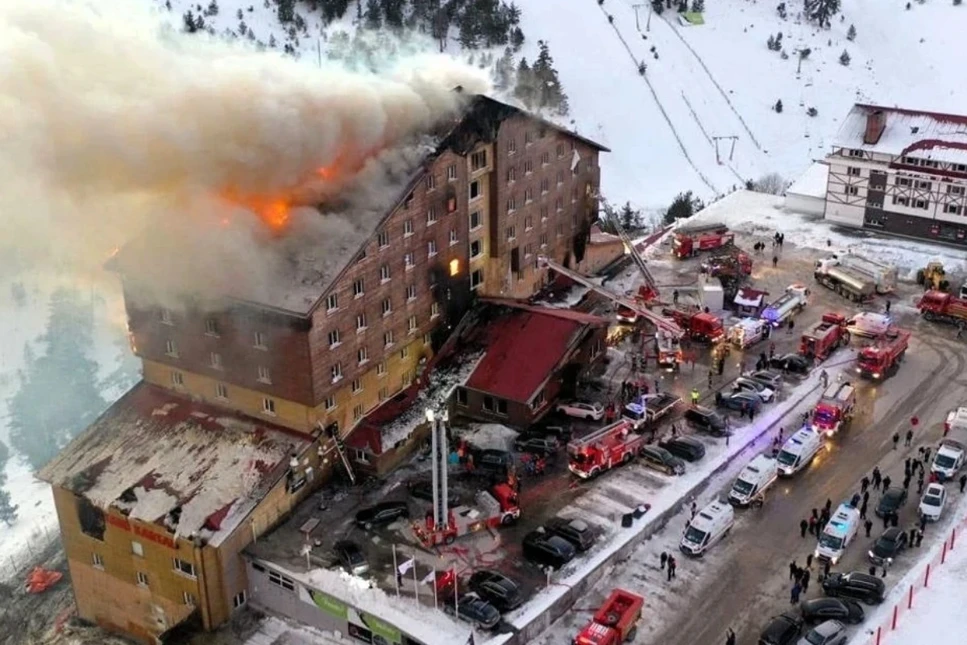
[351, 557]
[706, 420]
[497, 589]
[492, 461]
[546, 549]
[537, 445]
[423, 489]
[382, 514]
[687, 448]
[559, 432]
[888, 545]
[933, 501]
[743, 384]
[577, 532]
[660, 459]
[781, 630]
[738, 401]
[582, 410]
[891, 501]
[772, 380]
[832, 632]
[473, 609]
[856, 585]
[791, 363]
[817, 610]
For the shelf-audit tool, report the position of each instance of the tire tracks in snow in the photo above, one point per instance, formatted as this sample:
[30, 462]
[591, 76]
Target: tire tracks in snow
[661, 107]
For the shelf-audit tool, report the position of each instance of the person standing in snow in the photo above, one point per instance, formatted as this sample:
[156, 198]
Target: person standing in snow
[896, 439]
[963, 482]
[794, 595]
[909, 438]
[730, 637]
[803, 527]
[792, 570]
[886, 482]
[864, 484]
[805, 580]
[663, 558]
[809, 561]
[672, 566]
[775, 261]
[868, 525]
[877, 478]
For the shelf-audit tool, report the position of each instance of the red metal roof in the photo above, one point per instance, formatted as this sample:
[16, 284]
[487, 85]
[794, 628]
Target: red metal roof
[523, 348]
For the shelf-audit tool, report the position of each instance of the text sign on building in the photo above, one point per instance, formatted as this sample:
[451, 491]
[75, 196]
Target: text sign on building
[123, 524]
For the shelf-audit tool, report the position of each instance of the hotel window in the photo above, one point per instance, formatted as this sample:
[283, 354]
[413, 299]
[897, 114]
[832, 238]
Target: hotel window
[901, 201]
[362, 355]
[431, 215]
[221, 391]
[258, 340]
[384, 273]
[511, 175]
[475, 247]
[543, 213]
[955, 190]
[142, 579]
[381, 369]
[137, 549]
[528, 167]
[388, 339]
[281, 581]
[216, 360]
[452, 172]
[426, 339]
[407, 228]
[952, 209]
[361, 322]
[511, 232]
[561, 150]
[902, 181]
[330, 403]
[475, 221]
[410, 292]
[184, 568]
[527, 250]
[574, 195]
[211, 327]
[165, 317]
[239, 599]
[387, 306]
[431, 248]
[544, 186]
[921, 204]
[528, 195]
[171, 349]
[408, 261]
[512, 146]
[851, 190]
[543, 240]
[263, 374]
[545, 158]
[474, 190]
[854, 153]
[404, 353]
[476, 279]
[922, 185]
[511, 204]
[453, 237]
[560, 177]
[528, 223]
[332, 302]
[357, 386]
[853, 171]
[268, 406]
[334, 339]
[434, 309]
[478, 160]
[528, 138]
[177, 378]
[189, 599]
[359, 288]
[358, 412]
[97, 560]
[959, 167]
[411, 325]
[430, 182]
[461, 396]
[383, 393]
[558, 204]
[383, 239]
[336, 372]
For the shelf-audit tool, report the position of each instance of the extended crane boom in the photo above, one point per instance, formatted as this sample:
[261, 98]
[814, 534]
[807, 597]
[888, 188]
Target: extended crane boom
[650, 283]
[662, 323]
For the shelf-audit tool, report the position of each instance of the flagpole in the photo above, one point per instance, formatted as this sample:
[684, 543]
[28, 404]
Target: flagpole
[435, 605]
[396, 572]
[456, 592]
[416, 582]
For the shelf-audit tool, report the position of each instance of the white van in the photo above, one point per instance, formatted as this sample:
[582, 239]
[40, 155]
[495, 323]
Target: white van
[798, 451]
[754, 479]
[839, 532]
[869, 324]
[708, 527]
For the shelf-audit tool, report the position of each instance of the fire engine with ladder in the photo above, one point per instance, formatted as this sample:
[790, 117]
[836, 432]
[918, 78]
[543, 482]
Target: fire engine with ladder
[882, 358]
[604, 449]
[825, 337]
[834, 409]
[500, 506]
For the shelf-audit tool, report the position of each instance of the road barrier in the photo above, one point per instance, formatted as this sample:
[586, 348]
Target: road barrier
[905, 604]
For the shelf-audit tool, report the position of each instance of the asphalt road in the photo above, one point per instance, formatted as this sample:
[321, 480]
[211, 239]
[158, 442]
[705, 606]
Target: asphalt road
[748, 582]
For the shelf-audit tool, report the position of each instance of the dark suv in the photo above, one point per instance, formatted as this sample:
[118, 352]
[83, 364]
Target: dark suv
[855, 584]
[497, 589]
[382, 514]
[577, 532]
[706, 420]
[546, 549]
[494, 462]
[781, 630]
[687, 448]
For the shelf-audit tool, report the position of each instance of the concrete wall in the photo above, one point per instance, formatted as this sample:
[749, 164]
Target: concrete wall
[806, 204]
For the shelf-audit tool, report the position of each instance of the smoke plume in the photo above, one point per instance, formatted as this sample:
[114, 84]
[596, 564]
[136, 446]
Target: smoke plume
[113, 121]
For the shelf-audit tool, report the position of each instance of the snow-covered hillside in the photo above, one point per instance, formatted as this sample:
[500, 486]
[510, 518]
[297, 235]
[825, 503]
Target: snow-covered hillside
[713, 80]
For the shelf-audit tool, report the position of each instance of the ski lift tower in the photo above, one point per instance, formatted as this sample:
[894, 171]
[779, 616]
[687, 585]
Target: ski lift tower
[439, 453]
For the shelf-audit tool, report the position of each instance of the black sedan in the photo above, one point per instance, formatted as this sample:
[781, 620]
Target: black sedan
[888, 545]
[738, 401]
[351, 557]
[791, 363]
[818, 610]
[474, 609]
[577, 532]
[423, 489]
[891, 501]
[546, 549]
[497, 589]
[686, 448]
[661, 459]
[855, 584]
[382, 514]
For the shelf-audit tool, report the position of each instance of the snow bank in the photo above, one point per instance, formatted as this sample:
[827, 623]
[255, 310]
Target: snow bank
[487, 436]
[811, 183]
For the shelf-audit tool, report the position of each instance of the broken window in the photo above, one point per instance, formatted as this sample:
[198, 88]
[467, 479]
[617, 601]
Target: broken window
[91, 519]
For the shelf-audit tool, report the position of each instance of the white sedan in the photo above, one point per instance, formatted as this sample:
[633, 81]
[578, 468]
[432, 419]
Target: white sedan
[582, 410]
[932, 502]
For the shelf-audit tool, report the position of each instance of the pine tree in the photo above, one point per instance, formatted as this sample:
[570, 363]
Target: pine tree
[957, 2]
[189, 20]
[683, 207]
[285, 11]
[524, 89]
[630, 218]
[374, 15]
[212, 8]
[517, 38]
[844, 58]
[549, 92]
[469, 25]
[657, 6]
[698, 6]
[8, 512]
[778, 106]
[820, 11]
[393, 13]
[851, 33]
[504, 70]
[58, 394]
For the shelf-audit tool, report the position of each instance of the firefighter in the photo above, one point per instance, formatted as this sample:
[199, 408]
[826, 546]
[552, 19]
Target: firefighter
[695, 396]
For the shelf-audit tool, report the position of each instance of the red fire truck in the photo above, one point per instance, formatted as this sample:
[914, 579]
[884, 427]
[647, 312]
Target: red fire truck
[615, 622]
[498, 507]
[733, 262]
[937, 306]
[698, 325]
[825, 337]
[835, 409]
[604, 449]
[691, 240]
[882, 358]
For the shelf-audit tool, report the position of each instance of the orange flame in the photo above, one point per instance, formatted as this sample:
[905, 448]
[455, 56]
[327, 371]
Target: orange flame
[275, 211]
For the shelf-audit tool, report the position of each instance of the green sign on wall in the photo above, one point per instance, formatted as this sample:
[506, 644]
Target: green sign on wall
[380, 628]
[329, 604]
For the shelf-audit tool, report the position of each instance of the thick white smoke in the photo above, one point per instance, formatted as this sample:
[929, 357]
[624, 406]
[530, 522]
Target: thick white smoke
[110, 119]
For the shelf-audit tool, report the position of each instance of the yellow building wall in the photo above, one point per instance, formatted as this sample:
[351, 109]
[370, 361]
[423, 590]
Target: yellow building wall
[400, 372]
[110, 594]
